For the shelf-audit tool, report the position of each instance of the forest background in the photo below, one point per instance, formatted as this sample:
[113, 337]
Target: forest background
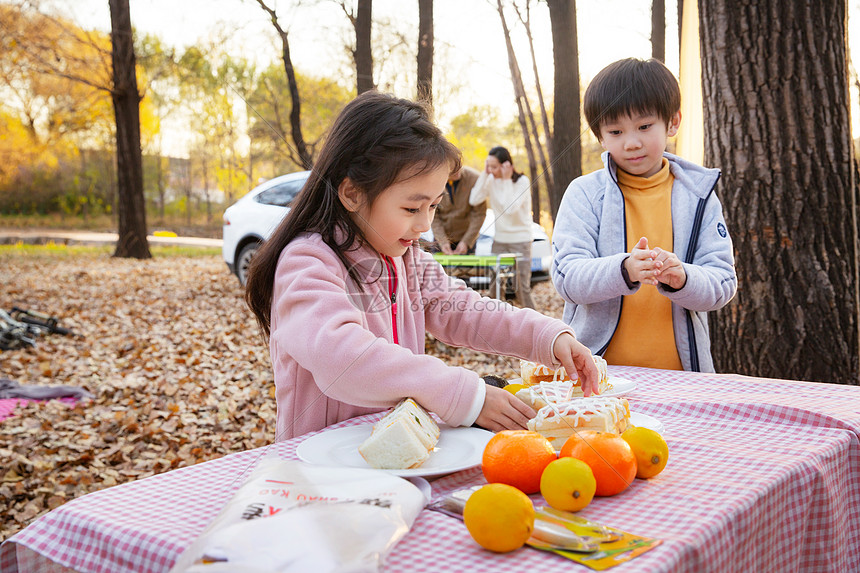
[215, 108]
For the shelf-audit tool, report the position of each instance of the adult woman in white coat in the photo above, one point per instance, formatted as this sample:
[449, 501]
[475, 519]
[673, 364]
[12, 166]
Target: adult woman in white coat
[510, 197]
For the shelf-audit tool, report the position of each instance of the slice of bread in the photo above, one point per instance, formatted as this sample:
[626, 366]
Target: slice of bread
[402, 439]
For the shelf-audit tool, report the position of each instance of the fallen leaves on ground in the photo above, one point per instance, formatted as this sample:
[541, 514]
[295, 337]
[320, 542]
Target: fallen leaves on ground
[176, 363]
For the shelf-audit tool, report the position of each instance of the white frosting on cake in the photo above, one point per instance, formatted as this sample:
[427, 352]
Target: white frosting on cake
[585, 409]
[533, 374]
[544, 393]
[557, 422]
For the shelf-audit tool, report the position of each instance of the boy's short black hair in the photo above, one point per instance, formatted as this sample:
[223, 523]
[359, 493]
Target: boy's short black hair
[631, 86]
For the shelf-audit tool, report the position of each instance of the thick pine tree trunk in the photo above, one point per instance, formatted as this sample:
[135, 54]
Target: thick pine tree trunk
[566, 148]
[775, 86]
[425, 51]
[131, 209]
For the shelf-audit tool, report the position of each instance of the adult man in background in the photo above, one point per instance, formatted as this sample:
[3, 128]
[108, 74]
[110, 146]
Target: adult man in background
[457, 224]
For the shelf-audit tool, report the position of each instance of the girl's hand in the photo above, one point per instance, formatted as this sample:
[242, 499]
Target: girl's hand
[504, 411]
[576, 358]
[487, 166]
[507, 170]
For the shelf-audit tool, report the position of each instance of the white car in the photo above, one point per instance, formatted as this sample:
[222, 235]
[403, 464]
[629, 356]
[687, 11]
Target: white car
[251, 219]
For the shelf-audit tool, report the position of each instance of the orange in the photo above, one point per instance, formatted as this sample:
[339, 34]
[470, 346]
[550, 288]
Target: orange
[650, 449]
[609, 456]
[517, 458]
[499, 517]
[514, 388]
[568, 484]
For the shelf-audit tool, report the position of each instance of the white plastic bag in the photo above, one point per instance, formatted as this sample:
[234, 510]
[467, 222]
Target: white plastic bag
[293, 516]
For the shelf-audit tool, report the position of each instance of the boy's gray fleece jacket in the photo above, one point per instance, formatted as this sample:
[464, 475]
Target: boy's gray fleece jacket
[590, 244]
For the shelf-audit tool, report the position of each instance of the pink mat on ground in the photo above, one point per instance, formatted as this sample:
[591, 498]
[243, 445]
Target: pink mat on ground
[8, 405]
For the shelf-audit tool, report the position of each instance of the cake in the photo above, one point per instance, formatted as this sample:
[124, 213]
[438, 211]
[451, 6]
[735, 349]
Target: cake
[539, 395]
[402, 439]
[557, 422]
[533, 374]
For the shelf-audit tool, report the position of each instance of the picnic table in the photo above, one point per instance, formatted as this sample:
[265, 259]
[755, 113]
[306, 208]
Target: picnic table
[491, 271]
[763, 475]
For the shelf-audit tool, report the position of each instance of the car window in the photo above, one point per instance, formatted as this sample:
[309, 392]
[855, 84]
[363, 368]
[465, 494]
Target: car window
[281, 195]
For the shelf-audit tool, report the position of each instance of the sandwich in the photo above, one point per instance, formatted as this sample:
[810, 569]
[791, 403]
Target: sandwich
[402, 439]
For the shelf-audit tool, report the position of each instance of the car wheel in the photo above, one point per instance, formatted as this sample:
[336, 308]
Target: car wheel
[243, 261]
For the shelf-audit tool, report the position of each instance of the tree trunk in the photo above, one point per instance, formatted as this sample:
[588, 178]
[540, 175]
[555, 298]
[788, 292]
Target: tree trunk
[547, 170]
[305, 156]
[189, 182]
[658, 30]
[206, 197]
[777, 122]
[522, 103]
[131, 209]
[425, 51]
[566, 146]
[363, 54]
[159, 167]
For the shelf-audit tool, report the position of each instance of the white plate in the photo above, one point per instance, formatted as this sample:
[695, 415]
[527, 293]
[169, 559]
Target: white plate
[458, 449]
[620, 386]
[646, 421]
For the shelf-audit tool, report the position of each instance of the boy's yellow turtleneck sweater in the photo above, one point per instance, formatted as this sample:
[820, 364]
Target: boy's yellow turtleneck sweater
[644, 336]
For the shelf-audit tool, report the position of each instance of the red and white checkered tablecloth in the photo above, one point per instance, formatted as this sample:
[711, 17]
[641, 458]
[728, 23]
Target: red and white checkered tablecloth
[763, 475]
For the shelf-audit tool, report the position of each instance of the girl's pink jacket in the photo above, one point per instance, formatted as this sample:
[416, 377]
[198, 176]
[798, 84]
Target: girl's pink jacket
[332, 345]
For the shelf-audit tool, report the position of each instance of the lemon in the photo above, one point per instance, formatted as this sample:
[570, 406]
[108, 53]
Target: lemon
[514, 388]
[568, 484]
[650, 449]
[499, 517]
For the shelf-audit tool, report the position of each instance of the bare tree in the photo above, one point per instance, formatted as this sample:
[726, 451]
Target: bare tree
[522, 104]
[658, 30]
[63, 51]
[131, 208]
[425, 51]
[526, 22]
[777, 123]
[362, 55]
[304, 153]
[566, 148]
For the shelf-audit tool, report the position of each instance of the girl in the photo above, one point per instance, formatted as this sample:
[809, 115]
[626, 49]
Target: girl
[345, 294]
[511, 200]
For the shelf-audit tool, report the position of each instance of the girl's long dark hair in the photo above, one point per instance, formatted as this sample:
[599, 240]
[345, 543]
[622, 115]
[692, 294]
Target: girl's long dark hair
[376, 141]
[502, 154]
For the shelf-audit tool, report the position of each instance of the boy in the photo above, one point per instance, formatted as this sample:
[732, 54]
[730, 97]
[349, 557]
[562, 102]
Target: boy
[628, 295]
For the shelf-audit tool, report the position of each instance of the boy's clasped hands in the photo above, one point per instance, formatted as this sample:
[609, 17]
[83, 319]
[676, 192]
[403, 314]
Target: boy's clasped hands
[654, 266]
